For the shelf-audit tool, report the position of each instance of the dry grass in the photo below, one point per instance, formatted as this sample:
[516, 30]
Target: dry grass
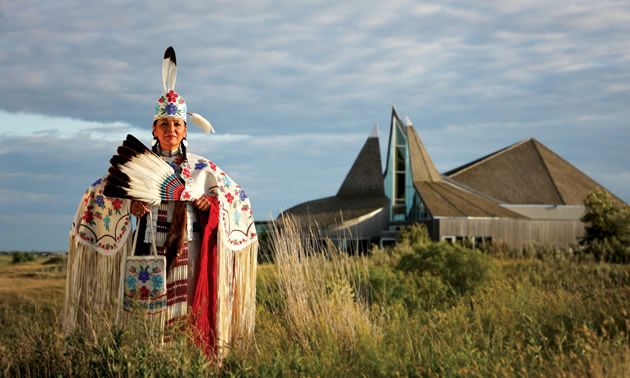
[320, 289]
[550, 316]
[33, 282]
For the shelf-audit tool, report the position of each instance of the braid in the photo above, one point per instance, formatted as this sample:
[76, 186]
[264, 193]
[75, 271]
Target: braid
[155, 147]
[182, 145]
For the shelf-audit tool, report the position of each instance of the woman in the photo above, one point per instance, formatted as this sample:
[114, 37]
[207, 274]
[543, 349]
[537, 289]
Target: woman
[205, 229]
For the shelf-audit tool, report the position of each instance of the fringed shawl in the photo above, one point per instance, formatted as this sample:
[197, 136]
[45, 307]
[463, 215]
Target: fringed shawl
[99, 242]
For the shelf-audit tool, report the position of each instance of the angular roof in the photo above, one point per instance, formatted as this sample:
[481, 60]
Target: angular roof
[422, 167]
[442, 197]
[365, 176]
[526, 173]
[362, 192]
[333, 211]
[446, 200]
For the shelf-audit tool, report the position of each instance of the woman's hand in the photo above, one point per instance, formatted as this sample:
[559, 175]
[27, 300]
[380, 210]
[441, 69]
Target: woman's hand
[202, 204]
[139, 208]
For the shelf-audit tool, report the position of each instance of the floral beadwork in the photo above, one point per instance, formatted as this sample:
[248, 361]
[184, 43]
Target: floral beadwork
[157, 281]
[100, 201]
[103, 222]
[100, 222]
[170, 105]
[116, 204]
[151, 295]
[143, 275]
[131, 281]
[242, 195]
[171, 109]
[201, 164]
[172, 96]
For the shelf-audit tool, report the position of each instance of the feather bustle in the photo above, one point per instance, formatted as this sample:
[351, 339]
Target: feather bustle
[133, 143]
[117, 178]
[116, 192]
[138, 173]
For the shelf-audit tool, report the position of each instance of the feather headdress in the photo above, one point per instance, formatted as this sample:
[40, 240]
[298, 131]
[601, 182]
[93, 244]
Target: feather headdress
[169, 69]
[171, 104]
[138, 173]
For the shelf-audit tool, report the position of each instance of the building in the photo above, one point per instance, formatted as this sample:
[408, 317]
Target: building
[354, 217]
[524, 193]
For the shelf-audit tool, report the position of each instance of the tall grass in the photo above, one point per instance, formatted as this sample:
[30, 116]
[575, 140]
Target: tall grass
[312, 306]
[324, 313]
[544, 313]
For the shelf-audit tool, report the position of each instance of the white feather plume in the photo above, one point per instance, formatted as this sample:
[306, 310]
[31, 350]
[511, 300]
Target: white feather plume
[169, 69]
[138, 173]
[146, 173]
[201, 123]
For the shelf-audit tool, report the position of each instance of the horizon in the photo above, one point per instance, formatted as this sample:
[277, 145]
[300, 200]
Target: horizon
[293, 91]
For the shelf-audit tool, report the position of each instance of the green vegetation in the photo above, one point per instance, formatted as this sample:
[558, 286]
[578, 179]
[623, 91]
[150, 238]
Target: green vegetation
[416, 309]
[18, 257]
[430, 276]
[607, 228]
[414, 234]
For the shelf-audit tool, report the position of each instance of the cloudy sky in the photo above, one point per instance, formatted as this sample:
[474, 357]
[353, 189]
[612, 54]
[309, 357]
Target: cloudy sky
[294, 89]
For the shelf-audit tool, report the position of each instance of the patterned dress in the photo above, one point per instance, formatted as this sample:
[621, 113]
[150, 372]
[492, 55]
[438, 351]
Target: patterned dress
[181, 279]
[214, 276]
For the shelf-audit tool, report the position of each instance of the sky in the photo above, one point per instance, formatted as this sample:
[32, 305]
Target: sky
[293, 90]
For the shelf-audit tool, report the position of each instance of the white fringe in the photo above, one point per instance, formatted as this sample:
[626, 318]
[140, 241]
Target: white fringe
[180, 308]
[160, 237]
[90, 284]
[236, 299]
[90, 287]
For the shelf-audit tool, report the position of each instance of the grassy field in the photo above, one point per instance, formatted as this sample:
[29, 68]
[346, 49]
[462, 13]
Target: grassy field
[414, 310]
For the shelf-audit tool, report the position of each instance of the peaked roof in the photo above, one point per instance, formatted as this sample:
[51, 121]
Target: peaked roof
[362, 192]
[446, 200]
[421, 163]
[422, 167]
[526, 173]
[442, 197]
[365, 177]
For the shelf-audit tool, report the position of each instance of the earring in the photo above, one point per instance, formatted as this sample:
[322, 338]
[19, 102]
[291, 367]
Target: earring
[185, 142]
[154, 141]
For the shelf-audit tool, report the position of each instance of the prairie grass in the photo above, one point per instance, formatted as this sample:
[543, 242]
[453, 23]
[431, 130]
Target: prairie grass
[324, 313]
[33, 344]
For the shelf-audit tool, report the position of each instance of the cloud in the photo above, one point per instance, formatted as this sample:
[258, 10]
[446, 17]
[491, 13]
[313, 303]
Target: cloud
[293, 89]
[55, 169]
[35, 198]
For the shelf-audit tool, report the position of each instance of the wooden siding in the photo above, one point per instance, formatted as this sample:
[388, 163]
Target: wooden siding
[515, 232]
[548, 212]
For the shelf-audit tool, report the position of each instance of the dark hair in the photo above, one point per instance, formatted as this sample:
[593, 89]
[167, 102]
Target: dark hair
[181, 144]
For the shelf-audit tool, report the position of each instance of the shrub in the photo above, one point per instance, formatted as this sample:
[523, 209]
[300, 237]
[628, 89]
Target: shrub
[460, 268]
[427, 276]
[414, 234]
[389, 255]
[607, 228]
[19, 257]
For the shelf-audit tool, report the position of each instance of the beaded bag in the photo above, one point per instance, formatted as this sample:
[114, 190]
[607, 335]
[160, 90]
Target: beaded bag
[145, 281]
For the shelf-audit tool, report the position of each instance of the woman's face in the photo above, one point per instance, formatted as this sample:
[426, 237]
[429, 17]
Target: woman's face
[170, 132]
